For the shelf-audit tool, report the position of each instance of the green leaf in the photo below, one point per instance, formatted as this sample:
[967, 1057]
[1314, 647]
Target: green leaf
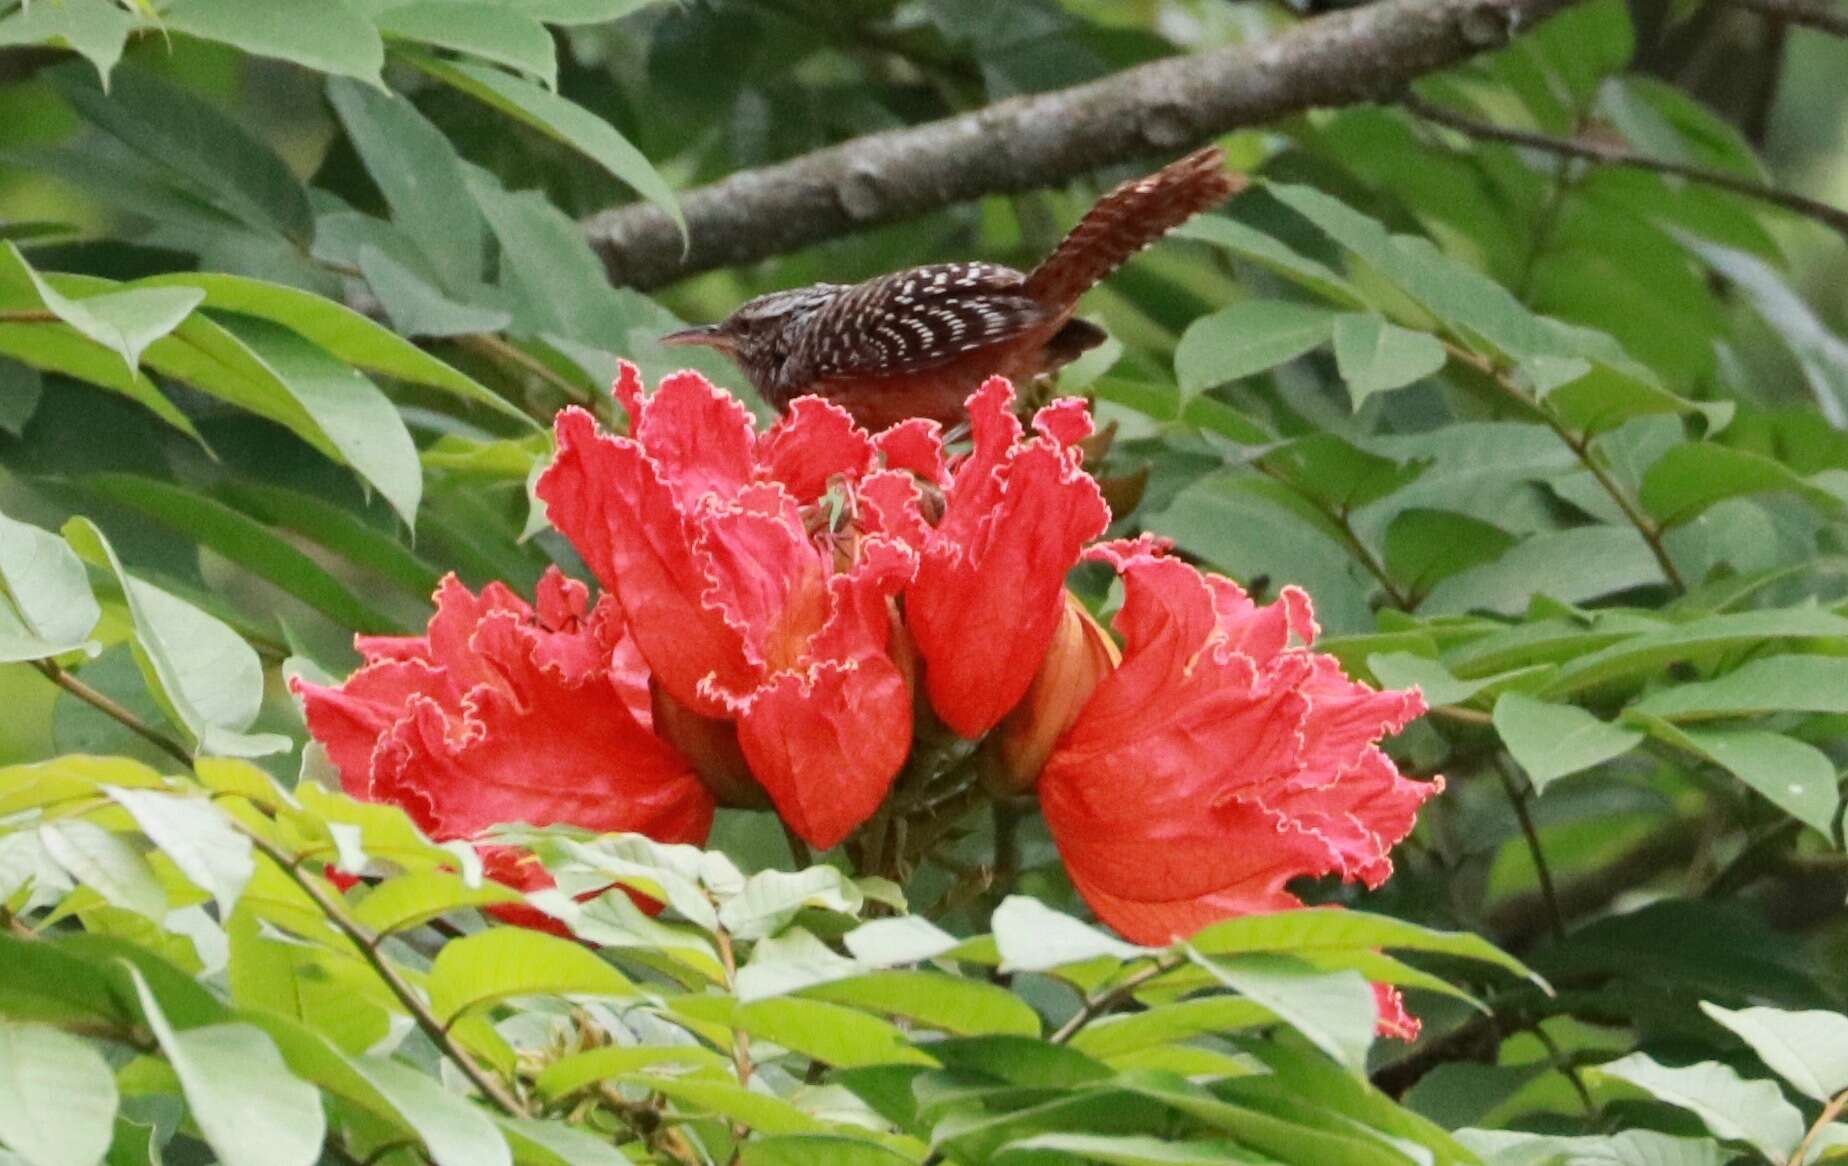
[1128, 1150]
[57, 1097]
[1032, 937]
[772, 898]
[1438, 684]
[1688, 479]
[1249, 527]
[1735, 1109]
[194, 145]
[1811, 684]
[410, 900]
[1553, 740]
[1280, 1137]
[1644, 654]
[1376, 356]
[898, 939]
[272, 974]
[1270, 253]
[558, 118]
[250, 1109]
[1337, 474]
[951, 1003]
[578, 11]
[831, 1033]
[542, 1142]
[1796, 777]
[1335, 1010]
[338, 529]
[98, 29]
[107, 864]
[809, 1149]
[358, 419]
[53, 610]
[21, 390]
[579, 1071]
[422, 178]
[338, 40]
[59, 348]
[1822, 355]
[453, 1131]
[1425, 547]
[243, 541]
[338, 329]
[417, 309]
[763, 1112]
[125, 322]
[1169, 1024]
[504, 962]
[196, 836]
[1629, 1148]
[1246, 338]
[204, 672]
[1309, 931]
[1808, 1049]
[489, 31]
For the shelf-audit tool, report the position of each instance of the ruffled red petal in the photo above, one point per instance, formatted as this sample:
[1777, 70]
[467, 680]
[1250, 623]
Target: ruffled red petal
[1223, 759]
[540, 747]
[813, 443]
[991, 577]
[609, 498]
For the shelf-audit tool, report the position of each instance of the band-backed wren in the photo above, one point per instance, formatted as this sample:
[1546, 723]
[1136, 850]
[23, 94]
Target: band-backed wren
[917, 342]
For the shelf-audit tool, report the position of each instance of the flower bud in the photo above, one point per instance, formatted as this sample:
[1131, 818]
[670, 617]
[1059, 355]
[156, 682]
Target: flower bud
[710, 745]
[1082, 654]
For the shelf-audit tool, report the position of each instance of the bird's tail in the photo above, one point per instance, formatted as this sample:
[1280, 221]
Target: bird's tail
[1129, 218]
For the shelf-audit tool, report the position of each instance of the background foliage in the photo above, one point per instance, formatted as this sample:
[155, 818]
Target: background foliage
[286, 302]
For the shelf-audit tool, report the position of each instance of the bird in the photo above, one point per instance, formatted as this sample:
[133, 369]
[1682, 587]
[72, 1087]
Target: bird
[918, 342]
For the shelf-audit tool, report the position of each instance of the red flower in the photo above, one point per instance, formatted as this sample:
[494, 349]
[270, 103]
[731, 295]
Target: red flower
[501, 713]
[1220, 761]
[748, 596]
[989, 593]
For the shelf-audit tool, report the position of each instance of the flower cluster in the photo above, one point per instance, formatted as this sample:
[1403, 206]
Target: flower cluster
[781, 610]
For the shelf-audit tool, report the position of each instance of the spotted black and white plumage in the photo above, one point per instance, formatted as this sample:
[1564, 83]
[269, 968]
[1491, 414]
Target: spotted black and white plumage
[934, 332]
[917, 319]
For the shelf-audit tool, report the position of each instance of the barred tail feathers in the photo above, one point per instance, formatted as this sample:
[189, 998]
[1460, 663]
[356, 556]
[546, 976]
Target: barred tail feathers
[1129, 218]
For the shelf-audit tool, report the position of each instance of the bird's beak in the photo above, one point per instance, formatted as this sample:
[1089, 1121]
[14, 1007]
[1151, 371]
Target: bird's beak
[706, 335]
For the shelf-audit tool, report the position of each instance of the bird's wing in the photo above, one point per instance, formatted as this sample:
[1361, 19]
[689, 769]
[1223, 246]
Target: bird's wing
[917, 319]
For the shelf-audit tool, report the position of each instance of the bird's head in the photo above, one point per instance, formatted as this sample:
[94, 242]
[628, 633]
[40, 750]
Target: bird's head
[761, 335]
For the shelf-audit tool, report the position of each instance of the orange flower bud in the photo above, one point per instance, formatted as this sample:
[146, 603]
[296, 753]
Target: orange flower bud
[1082, 654]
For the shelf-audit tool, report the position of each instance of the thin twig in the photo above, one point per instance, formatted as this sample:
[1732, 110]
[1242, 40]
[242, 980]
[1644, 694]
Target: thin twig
[740, 1040]
[1566, 1068]
[1580, 445]
[1613, 154]
[1817, 14]
[28, 316]
[499, 350]
[1517, 797]
[367, 942]
[1103, 1000]
[1368, 560]
[68, 682]
[1830, 1112]
[1461, 715]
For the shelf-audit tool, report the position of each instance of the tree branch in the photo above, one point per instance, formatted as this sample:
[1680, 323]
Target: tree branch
[1612, 154]
[102, 703]
[1818, 14]
[1026, 143]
